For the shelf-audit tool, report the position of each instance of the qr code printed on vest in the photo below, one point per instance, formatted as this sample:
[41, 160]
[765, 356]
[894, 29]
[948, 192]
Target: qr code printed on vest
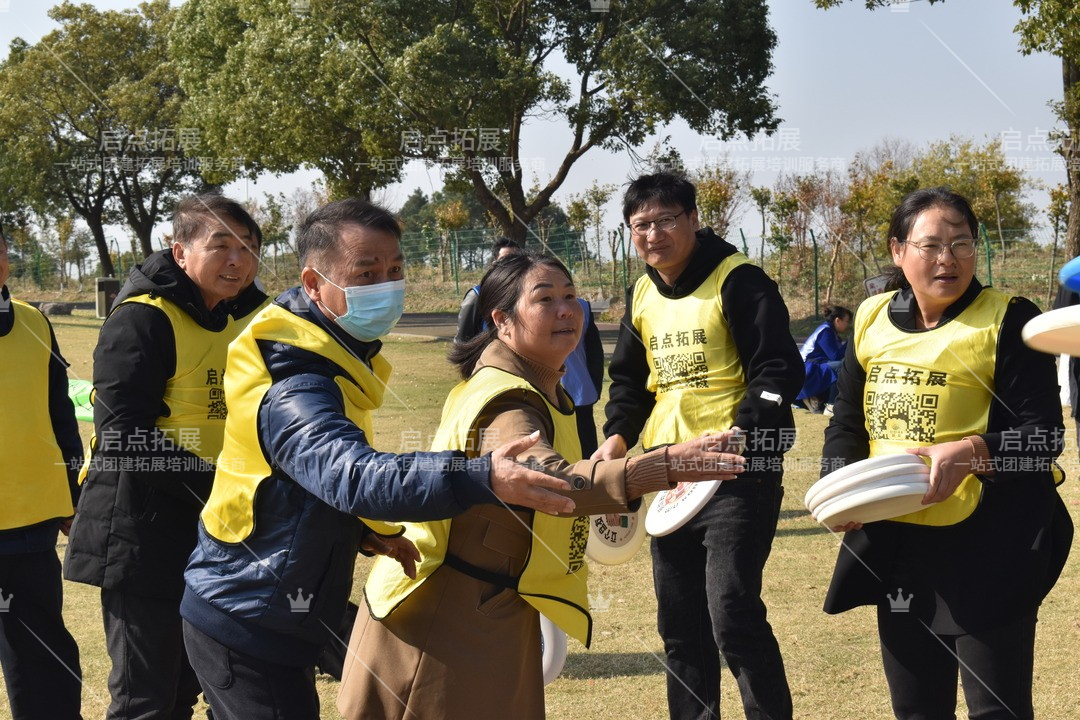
[579, 536]
[681, 369]
[902, 416]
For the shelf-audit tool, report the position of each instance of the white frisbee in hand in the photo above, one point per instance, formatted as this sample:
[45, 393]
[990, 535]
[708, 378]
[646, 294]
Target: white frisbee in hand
[615, 538]
[553, 645]
[671, 509]
[1056, 332]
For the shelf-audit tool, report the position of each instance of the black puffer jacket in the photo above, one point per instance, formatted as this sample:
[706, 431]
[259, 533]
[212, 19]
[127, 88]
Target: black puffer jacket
[137, 519]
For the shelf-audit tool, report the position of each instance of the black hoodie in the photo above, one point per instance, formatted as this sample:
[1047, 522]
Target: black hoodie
[759, 324]
[136, 525]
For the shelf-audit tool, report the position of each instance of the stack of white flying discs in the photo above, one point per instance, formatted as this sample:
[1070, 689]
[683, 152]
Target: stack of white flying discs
[878, 488]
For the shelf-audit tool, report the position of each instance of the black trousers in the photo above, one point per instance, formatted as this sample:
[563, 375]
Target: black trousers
[243, 687]
[39, 657]
[708, 578]
[586, 429]
[151, 678]
[995, 667]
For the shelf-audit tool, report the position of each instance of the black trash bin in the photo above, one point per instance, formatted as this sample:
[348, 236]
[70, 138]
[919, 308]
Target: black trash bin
[107, 290]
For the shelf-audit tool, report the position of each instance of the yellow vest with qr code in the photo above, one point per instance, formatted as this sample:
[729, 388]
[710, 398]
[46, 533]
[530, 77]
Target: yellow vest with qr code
[930, 386]
[34, 484]
[229, 515]
[694, 367]
[555, 574]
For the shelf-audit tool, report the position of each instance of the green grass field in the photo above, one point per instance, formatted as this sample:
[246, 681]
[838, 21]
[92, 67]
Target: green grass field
[832, 661]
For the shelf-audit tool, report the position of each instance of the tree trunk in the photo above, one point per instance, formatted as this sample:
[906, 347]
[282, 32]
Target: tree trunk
[832, 273]
[1052, 284]
[1001, 235]
[97, 229]
[761, 257]
[1071, 81]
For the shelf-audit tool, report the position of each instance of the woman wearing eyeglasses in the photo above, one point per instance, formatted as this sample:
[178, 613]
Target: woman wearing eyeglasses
[938, 369]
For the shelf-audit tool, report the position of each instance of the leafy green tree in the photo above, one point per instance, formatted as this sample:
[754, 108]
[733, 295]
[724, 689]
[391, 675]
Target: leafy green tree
[355, 87]
[995, 190]
[281, 91]
[721, 194]
[90, 121]
[762, 199]
[51, 155]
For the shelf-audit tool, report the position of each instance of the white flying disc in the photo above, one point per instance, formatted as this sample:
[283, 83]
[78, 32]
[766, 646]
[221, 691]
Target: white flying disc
[615, 538]
[819, 504]
[829, 486]
[873, 463]
[553, 645]
[1069, 275]
[1055, 332]
[873, 505]
[671, 509]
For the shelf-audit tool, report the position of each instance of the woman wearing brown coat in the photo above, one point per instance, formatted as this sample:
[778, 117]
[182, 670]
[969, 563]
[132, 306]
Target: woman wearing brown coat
[462, 640]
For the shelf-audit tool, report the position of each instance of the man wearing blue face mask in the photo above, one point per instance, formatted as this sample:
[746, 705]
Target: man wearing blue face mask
[269, 580]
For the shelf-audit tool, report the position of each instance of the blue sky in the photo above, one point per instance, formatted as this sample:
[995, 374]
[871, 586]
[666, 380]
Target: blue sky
[844, 79]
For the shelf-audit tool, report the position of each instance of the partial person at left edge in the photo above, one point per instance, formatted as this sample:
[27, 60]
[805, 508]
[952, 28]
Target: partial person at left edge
[159, 419]
[40, 451]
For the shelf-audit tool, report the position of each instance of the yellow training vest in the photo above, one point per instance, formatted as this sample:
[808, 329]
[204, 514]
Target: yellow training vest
[930, 386]
[195, 394]
[694, 367]
[34, 484]
[555, 574]
[229, 515]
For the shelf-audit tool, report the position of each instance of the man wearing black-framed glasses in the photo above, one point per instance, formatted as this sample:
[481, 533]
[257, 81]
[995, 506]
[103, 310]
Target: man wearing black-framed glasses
[704, 345]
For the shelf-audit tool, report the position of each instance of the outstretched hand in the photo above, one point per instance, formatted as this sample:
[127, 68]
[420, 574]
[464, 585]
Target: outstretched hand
[712, 456]
[515, 484]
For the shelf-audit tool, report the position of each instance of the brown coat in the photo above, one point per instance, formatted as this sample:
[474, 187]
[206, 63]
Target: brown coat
[460, 647]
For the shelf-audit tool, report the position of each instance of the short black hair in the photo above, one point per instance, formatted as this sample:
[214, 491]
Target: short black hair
[190, 216]
[321, 229]
[661, 188]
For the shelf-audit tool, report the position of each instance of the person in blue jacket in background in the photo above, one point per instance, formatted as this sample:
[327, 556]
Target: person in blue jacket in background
[822, 354]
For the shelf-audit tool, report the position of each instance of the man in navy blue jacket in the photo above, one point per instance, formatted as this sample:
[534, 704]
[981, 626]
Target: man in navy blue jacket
[272, 572]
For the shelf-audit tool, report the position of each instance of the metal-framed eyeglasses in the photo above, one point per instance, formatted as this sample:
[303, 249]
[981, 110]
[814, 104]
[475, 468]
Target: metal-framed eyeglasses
[665, 224]
[960, 249]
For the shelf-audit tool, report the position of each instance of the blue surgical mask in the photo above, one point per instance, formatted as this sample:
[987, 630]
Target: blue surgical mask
[371, 310]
